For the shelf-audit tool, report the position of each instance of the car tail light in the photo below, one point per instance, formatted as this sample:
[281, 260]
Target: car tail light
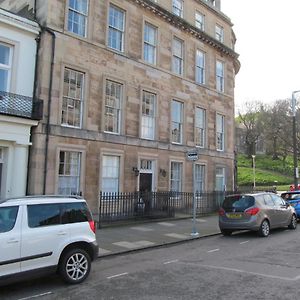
[252, 211]
[221, 212]
[92, 226]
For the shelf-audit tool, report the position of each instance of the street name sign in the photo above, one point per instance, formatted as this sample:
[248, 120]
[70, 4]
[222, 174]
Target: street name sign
[192, 155]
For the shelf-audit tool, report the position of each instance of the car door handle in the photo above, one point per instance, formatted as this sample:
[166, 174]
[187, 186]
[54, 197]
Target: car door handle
[62, 233]
[12, 241]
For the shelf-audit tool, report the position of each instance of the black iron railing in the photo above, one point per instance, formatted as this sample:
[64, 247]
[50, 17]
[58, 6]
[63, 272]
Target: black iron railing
[20, 106]
[125, 206]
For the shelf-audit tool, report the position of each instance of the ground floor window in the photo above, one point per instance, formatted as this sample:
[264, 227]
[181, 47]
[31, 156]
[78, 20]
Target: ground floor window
[69, 173]
[199, 178]
[176, 177]
[110, 173]
[220, 179]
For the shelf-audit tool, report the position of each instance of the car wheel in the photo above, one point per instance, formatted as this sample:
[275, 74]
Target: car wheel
[226, 232]
[264, 229]
[75, 266]
[293, 223]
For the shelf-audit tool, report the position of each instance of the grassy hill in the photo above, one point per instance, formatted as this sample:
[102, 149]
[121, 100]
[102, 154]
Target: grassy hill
[268, 172]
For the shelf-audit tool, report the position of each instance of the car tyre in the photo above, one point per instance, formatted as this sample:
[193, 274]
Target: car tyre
[75, 266]
[264, 229]
[293, 223]
[226, 232]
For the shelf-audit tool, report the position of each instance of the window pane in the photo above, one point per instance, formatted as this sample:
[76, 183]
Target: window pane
[176, 176]
[43, 215]
[116, 28]
[8, 216]
[3, 80]
[4, 55]
[110, 173]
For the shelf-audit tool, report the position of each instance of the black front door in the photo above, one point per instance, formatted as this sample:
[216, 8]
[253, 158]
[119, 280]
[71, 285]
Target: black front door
[145, 182]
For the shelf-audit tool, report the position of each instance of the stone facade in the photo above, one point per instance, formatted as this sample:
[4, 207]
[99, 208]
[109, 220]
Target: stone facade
[91, 56]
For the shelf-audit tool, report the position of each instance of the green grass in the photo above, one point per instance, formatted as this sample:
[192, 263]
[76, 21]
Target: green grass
[268, 172]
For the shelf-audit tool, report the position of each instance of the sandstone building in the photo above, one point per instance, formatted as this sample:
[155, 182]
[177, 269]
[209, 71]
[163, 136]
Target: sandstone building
[129, 86]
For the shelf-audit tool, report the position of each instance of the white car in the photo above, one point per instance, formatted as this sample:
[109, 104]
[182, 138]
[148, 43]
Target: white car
[46, 233]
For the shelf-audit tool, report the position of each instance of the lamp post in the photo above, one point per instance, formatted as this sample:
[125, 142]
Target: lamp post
[253, 163]
[296, 174]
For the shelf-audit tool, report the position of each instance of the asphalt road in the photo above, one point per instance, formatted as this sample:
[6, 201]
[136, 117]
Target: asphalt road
[242, 266]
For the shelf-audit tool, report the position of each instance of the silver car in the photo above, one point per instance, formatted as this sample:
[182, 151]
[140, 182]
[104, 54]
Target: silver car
[258, 212]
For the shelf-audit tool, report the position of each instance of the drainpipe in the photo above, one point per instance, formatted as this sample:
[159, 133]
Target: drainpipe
[46, 29]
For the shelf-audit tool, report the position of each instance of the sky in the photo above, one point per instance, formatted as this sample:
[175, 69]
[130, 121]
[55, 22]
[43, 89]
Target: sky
[268, 42]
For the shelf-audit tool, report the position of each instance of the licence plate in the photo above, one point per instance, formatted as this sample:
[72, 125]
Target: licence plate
[234, 215]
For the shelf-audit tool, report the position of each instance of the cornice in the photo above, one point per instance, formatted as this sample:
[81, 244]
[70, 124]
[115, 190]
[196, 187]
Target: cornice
[185, 26]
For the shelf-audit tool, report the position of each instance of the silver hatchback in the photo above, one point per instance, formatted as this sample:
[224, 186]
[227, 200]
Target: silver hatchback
[258, 212]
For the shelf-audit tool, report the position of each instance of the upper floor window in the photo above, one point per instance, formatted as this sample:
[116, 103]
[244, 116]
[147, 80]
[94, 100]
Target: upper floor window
[72, 98]
[69, 173]
[110, 173]
[77, 17]
[200, 67]
[5, 66]
[199, 20]
[220, 131]
[220, 76]
[116, 28]
[177, 56]
[177, 121]
[113, 104]
[220, 33]
[177, 8]
[200, 119]
[176, 177]
[150, 41]
[148, 115]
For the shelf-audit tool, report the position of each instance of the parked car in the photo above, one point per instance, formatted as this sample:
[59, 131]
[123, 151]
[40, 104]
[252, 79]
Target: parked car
[293, 198]
[258, 212]
[40, 234]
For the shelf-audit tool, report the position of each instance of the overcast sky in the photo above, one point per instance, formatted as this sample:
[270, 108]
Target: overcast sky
[268, 41]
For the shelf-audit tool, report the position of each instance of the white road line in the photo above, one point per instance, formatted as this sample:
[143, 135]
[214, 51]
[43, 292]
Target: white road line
[170, 261]
[117, 275]
[213, 250]
[241, 243]
[36, 296]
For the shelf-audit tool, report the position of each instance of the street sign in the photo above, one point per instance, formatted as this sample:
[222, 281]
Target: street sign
[192, 155]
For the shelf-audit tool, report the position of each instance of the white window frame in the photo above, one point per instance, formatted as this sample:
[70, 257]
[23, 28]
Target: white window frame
[200, 67]
[200, 20]
[113, 111]
[219, 33]
[200, 127]
[74, 170]
[176, 178]
[69, 101]
[178, 56]
[113, 28]
[220, 132]
[114, 172]
[220, 175]
[148, 115]
[177, 8]
[200, 178]
[82, 14]
[177, 123]
[220, 69]
[151, 45]
[7, 67]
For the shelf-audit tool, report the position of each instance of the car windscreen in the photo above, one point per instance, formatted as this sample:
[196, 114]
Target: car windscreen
[288, 196]
[238, 202]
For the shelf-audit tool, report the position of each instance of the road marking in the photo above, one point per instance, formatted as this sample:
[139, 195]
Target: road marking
[134, 245]
[241, 243]
[166, 224]
[36, 296]
[117, 275]
[252, 273]
[170, 261]
[213, 250]
[141, 228]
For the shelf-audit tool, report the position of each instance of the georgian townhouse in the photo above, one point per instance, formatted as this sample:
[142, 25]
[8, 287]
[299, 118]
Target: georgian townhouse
[129, 86]
[19, 111]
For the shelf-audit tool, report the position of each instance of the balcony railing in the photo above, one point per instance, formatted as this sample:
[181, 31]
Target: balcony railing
[20, 106]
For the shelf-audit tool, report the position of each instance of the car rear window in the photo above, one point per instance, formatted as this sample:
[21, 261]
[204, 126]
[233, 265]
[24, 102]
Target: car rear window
[76, 212]
[238, 202]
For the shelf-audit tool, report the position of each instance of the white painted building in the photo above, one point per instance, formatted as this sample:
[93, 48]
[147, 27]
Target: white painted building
[17, 68]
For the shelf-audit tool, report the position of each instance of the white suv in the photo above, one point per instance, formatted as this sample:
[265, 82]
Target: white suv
[46, 233]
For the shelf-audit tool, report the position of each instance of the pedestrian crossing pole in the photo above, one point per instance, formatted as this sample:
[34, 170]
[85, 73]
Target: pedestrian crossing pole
[192, 155]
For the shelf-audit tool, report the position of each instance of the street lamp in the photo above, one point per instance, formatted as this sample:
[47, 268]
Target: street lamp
[296, 175]
[253, 164]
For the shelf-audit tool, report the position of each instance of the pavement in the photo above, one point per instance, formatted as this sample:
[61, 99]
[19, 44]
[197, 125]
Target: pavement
[113, 240]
